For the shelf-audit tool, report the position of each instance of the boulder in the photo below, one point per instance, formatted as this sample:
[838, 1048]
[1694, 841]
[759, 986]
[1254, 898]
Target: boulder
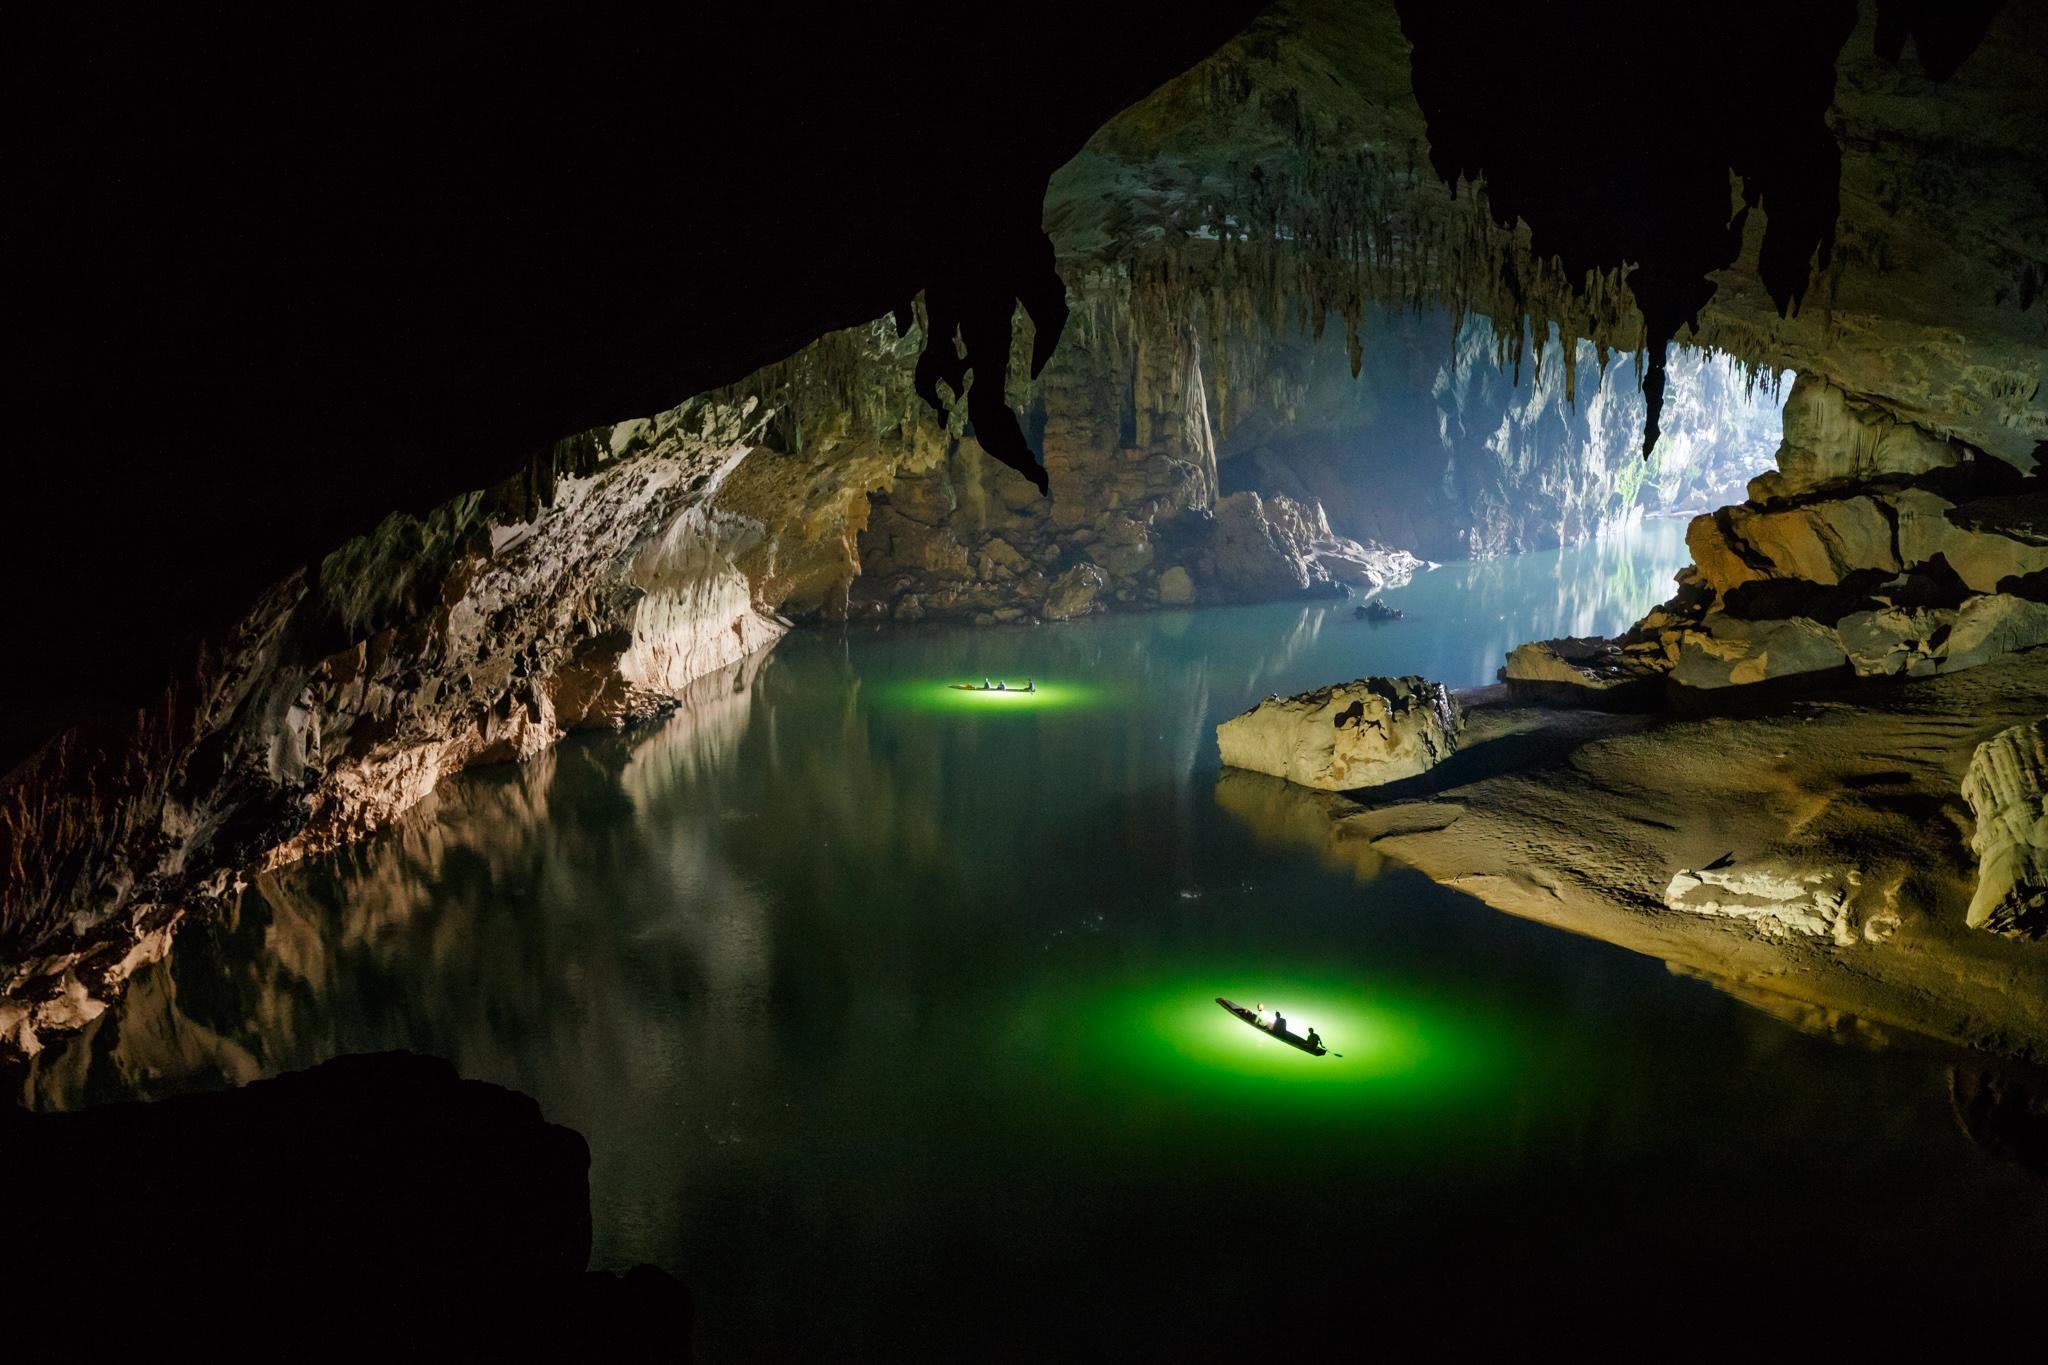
[1986, 627]
[1731, 653]
[2005, 787]
[1358, 734]
[1077, 592]
[1894, 640]
[1267, 548]
[1580, 671]
[1176, 588]
[1249, 558]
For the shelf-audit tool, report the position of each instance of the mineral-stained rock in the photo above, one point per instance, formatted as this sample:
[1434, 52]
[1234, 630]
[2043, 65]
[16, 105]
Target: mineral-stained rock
[2007, 788]
[1077, 592]
[1358, 734]
[1777, 896]
[1733, 652]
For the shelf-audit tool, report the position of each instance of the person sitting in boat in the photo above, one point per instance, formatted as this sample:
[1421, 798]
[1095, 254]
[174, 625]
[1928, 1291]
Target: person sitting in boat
[1002, 686]
[1030, 685]
[1314, 1039]
[986, 685]
[1279, 1022]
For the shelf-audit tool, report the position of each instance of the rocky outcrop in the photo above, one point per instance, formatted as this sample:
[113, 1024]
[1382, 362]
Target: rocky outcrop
[1814, 854]
[1579, 671]
[1363, 733]
[1875, 550]
[444, 1209]
[421, 1176]
[1077, 592]
[2007, 788]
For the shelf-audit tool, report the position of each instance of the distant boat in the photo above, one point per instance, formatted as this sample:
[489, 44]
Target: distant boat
[1030, 685]
[1291, 1039]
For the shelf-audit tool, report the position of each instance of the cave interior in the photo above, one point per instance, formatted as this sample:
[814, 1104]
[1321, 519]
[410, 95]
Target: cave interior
[652, 652]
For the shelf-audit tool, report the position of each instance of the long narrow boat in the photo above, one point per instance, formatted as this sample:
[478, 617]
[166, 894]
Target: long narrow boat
[1291, 1039]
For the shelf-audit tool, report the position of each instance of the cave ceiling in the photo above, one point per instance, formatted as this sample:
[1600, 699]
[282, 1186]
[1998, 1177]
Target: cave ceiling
[287, 281]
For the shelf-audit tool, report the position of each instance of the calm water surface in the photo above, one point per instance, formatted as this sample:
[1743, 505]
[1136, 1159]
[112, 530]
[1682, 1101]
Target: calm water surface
[887, 1011]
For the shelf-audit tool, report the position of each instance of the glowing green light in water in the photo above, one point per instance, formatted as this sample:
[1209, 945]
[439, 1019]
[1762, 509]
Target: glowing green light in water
[928, 695]
[1166, 1037]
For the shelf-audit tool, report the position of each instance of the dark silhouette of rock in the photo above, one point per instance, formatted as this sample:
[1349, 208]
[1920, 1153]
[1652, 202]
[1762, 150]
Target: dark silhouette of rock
[381, 1172]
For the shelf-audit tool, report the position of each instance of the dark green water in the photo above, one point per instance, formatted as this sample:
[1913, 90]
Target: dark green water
[887, 1012]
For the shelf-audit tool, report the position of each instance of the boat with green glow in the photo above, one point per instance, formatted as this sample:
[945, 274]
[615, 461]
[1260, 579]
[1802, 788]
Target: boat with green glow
[1313, 1047]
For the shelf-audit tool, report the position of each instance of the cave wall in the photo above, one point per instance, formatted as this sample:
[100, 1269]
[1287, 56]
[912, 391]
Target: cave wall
[590, 591]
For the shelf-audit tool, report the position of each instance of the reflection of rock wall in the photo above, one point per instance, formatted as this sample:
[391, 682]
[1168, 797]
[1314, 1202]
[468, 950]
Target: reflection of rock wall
[253, 989]
[587, 594]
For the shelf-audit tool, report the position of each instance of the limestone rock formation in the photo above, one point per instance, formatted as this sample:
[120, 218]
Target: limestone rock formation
[1077, 592]
[2007, 788]
[1362, 733]
[1777, 897]
[1578, 670]
[589, 592]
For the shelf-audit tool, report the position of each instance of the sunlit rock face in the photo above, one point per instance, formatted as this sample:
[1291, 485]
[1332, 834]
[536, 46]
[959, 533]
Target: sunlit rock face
[2007, 788]
[1358, 734]
[588, 593]
[1445, 446]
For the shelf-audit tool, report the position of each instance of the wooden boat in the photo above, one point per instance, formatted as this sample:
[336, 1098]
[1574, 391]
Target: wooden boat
[1291, 1039]
[1027, 688]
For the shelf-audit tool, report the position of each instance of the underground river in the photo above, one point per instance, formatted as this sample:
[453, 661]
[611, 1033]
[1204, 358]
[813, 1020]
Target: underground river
[887, 1010]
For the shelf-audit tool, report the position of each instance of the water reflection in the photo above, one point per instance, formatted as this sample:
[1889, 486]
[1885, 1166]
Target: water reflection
[852, 997]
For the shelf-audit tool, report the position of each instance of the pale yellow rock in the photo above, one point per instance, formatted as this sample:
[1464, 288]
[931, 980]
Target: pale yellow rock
[1176, 588]
[1832, 438]
[2007, 788]
[1820, 542]
[1987, 627]
[1735, 653]
[1362, 733]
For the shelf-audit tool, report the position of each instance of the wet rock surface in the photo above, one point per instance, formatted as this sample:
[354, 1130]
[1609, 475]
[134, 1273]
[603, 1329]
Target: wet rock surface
[1358, 734]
